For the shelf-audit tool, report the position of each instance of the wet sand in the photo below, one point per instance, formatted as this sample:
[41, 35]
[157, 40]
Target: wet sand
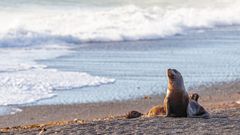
[99, 118]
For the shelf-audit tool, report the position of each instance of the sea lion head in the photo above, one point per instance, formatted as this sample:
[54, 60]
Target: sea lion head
[175, 80]
[194, 96]
[133, 114]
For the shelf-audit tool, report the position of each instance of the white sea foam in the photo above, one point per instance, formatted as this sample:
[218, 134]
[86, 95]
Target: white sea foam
[31, 26]
[24, 59]
[23, 81]
[28, 86]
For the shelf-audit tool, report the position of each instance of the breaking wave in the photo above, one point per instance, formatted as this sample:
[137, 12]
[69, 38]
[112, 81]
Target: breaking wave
[39, 26]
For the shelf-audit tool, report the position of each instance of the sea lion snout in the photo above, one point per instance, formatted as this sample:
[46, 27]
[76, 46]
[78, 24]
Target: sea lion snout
[170, 73]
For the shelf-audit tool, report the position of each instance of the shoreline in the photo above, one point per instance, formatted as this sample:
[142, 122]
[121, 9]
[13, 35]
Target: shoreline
[216, 97]
[85, 111]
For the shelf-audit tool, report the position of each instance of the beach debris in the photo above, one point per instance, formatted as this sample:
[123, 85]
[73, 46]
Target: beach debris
[133, 114]
[4, 130]
[147, 97]
[42, 126]
[79, 121]
[42, 131]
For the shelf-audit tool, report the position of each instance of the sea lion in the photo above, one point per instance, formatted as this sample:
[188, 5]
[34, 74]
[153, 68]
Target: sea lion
[176, 100]
[156, 111]
[195, 110]
[194, 96]
[133, 114]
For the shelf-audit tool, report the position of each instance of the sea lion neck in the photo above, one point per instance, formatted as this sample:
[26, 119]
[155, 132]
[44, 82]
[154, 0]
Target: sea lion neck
[176, 84]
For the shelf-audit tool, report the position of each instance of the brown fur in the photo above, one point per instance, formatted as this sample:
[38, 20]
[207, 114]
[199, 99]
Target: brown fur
[176, 100]
[156, 111]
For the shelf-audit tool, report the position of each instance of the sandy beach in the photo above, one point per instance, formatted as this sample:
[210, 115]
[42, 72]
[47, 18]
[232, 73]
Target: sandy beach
[108, 118]
[80, 66]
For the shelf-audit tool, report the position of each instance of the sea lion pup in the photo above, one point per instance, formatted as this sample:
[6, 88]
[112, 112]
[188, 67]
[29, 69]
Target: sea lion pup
[195, 110]
[194, 96]
[176, 100]
[157, 110]
[133, 114]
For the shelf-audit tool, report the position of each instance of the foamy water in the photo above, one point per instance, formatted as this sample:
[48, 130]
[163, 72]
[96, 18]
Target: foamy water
[74, 22]
[29, 86]
[24, 81]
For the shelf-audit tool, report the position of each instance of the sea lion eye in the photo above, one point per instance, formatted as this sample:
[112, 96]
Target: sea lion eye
[174, 70]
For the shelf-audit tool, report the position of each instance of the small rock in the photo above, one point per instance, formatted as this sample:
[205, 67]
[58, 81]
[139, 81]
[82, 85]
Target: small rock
[79, 121]
[147, 97]
[42, 131]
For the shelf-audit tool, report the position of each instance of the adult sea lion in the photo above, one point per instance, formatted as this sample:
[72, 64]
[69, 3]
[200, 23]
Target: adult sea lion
[195, 110]
[176, 100]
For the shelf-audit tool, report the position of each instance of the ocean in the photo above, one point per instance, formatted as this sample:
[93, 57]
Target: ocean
[81, 51]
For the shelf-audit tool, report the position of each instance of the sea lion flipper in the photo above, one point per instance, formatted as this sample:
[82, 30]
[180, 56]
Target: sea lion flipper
[167, 107]
[204, 116]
